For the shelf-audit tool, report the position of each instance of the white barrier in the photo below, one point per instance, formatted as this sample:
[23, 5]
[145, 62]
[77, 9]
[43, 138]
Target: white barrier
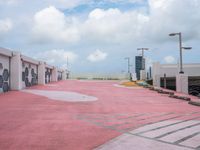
[4, 70]
[18, 71]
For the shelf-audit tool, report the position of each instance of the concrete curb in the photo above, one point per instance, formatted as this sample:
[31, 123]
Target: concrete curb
[194, 103]
[180, 97]
[171, 94]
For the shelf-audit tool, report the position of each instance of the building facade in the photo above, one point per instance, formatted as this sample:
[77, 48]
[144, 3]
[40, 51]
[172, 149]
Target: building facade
[18, 71]
[189, 82]
[139, 65]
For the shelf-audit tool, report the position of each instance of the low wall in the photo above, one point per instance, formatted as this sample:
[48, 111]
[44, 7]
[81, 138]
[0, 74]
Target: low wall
[4, 72]
[114, 76]
[18, 71]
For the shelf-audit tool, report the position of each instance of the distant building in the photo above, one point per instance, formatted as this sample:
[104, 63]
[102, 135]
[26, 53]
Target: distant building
[139, 65]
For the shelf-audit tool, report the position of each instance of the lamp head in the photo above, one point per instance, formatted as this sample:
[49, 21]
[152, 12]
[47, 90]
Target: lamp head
[187, 48]
[172, 34]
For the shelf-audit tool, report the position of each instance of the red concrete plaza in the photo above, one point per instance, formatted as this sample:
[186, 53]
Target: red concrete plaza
[29, 121]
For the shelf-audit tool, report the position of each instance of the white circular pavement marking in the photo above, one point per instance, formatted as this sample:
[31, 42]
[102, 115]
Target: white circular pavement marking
[62, 95]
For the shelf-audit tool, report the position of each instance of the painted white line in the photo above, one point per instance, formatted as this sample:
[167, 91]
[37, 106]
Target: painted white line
[192, 142]
[62, 96]
[181, 134]
[154, 126]
[132, 142]
[162, 131]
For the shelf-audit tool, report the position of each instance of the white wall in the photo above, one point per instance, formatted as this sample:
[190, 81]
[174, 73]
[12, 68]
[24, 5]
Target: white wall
[4, 60]
[17, 64]
[171, 70]
[32, 72]
[94, 75]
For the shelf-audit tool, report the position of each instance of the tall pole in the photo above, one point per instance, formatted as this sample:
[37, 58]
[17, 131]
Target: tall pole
[181, 56]
[128, 65]
[128, 60]
[181, 50]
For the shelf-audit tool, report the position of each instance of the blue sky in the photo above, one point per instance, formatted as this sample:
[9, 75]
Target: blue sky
[96, 35]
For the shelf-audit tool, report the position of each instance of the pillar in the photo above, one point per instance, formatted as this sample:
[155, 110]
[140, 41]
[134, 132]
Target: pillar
[156, 74]
[41, 73]
[182, 83]
[16, 71]
[55, 74]
[64, 75]
[142, 75]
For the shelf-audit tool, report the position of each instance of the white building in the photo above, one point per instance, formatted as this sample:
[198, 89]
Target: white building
[172, 70]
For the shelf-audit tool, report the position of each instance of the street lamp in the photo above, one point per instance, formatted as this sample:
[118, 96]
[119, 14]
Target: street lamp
[142, 49]
[128, 60]
[180, 48]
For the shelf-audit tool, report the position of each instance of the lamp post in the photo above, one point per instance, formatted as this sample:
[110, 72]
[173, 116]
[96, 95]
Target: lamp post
[142, 49]
[180, 48]
[128, 60]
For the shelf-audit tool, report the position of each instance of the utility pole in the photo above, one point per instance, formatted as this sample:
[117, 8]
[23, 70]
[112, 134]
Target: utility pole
[180, 50]
[129, 72]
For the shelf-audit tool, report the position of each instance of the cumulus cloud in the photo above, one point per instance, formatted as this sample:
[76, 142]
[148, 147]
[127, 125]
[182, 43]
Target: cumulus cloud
[117, 31]
[5, 26]
[57, 57]
[51, 25]
[97, 56]
[169, 59]
[166, 17]
[113, 25]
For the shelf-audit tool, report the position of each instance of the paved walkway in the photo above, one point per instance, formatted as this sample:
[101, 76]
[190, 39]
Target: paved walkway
[85, 115]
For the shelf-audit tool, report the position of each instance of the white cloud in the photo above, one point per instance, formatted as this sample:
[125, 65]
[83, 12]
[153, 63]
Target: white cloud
[97, 56]
[113, 25]
[166, 17]
[57, 57]
[169, 59]
[50, 24]
[5, 26]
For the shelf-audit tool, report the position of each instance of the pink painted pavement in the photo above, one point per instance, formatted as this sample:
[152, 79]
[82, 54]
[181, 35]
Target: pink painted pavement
[29, 121]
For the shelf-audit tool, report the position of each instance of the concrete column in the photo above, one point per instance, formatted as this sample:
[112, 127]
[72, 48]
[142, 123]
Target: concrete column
[182, 83]
[156, 81]
[142, 75]
[41, 73]
[134, 77]
[64, 75]
[55, 74]
[156, 74]
[16, 71]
